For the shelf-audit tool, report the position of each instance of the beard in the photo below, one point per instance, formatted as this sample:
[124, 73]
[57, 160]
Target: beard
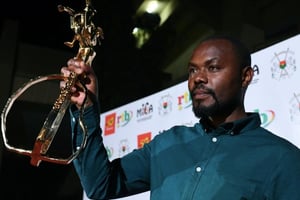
[202, 111]
[218, 107]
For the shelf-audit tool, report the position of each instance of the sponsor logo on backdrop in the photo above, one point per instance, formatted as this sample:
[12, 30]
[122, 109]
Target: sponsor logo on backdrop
[266, 117]
[165, 105]
[143, 139]
[124, 147]
[110, 152]
[283, 64]
[145, 112]
[110, 122]
[184, 100]
[124, 118]
[256, 74]
[295, 108]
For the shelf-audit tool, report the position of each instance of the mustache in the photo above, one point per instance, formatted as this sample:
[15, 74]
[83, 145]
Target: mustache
[204, 88]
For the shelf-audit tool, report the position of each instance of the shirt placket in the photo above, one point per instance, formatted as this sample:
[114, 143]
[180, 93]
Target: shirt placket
[200, 167]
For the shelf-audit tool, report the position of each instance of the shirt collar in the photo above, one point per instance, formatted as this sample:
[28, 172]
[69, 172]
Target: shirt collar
[232, 128]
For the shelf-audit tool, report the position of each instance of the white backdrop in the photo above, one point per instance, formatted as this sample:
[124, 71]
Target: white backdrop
[274, 93]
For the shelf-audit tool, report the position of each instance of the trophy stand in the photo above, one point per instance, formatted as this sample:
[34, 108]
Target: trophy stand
[88, 36]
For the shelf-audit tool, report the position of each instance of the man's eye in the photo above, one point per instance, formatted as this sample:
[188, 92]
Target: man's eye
[192, 71]
[213, 68]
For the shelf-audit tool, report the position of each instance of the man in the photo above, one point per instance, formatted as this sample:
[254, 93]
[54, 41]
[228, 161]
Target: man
[226, 156]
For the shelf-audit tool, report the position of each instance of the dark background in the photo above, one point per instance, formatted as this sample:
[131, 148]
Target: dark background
[127, 73]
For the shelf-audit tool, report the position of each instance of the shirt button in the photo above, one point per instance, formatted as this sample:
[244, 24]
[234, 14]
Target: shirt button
[214, 139]
[198, 169]
[73, 119]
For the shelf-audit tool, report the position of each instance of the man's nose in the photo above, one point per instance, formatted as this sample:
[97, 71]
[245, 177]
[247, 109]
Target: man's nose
[201, 76]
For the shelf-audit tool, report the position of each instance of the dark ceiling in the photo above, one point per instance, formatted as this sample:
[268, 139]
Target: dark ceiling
[127, 73]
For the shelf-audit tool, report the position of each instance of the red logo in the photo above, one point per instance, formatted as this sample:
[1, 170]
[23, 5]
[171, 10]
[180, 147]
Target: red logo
[110, 122]
[143, 139]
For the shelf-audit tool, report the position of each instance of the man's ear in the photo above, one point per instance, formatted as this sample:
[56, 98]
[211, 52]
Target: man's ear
[247, 75]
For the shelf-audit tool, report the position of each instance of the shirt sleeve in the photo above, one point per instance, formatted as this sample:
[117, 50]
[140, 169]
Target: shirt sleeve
[285, 179]
[100, 178]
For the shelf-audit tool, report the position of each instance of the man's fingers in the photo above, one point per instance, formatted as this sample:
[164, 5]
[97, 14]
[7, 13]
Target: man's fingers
[78, 98]
[85, 80]
[78, 66]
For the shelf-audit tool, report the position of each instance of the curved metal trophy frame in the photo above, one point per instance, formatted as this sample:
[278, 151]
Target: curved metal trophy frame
[88, 36]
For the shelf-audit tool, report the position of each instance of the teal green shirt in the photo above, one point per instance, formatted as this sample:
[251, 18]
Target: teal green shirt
[236, 161]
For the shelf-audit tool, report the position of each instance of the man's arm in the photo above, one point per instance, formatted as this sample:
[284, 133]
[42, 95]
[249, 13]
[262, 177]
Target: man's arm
[100, 178]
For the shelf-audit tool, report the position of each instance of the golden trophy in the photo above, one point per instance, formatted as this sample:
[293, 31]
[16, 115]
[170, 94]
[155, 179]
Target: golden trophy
[88, 36]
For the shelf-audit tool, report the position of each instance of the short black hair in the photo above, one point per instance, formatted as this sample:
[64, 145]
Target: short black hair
[242, 52]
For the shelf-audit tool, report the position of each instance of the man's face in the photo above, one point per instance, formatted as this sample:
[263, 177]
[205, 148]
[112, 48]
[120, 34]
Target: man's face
[215, 79]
